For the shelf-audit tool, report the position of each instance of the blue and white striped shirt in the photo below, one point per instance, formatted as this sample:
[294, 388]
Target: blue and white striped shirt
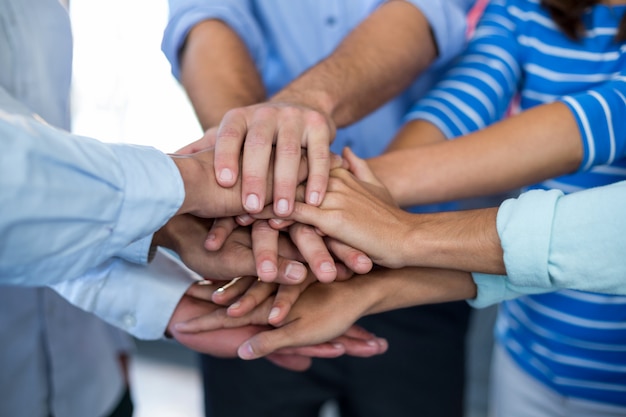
[575, 342]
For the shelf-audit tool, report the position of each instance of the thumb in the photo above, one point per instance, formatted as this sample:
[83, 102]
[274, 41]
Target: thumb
[360, 168]
[264, 343]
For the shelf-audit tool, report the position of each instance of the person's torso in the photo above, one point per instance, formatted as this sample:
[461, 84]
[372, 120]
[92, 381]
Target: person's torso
[55, 358]
[575, 342]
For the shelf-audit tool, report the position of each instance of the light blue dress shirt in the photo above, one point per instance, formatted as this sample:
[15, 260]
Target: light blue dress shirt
[67, 206]
[549, 238]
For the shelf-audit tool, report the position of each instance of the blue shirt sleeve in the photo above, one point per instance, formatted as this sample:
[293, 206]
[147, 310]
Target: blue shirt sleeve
[600, 113]
[185, 14]
[478, 89]
[69, 203]
[138, 299]
[549, 238]
[448, 22]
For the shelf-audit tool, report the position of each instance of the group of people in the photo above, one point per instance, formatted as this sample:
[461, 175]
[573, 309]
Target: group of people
[341, 140]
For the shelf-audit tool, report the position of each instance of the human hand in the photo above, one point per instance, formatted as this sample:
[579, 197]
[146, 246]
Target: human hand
[223, 342]
[359, 212]
[252, 131]
[320, 314]
[318, 252]
[185, 234]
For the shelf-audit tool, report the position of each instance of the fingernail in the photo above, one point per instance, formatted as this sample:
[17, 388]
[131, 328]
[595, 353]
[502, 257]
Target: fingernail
[268, 266]
[277, 222]
[245, 351]
[362, 259]
[282, 206]
[244, 219]
[234, 305]
[252, 202]
[337, 345]
[274, 312]
[226, 175]
[327, 267]
[295, 271]
[210, 237]
[314, 198]
[181, 326]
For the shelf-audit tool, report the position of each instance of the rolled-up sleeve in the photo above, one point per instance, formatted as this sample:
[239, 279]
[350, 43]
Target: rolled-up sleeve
[448, 21]
[553, 241]
[185, 14]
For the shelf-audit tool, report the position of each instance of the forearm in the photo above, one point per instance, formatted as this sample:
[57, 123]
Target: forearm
[375, 62]
[465, 240]
[535, 145]
[218, 72]
[390, 289]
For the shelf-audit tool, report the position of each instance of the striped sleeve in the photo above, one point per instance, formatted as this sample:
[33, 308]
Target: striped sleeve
[478, 89]
[601, 115]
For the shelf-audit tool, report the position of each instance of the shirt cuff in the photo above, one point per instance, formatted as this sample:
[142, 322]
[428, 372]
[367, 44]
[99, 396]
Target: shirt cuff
[138, 299]
[493, 289]
[154, 191]
[525, 228]
[448, 22]
[183, 19]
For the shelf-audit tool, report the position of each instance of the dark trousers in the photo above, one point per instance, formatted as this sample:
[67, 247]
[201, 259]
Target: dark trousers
[422, 373]
[124, 407]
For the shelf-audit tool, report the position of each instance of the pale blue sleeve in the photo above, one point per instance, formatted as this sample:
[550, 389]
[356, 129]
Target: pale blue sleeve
[553, 241]
[185, 14]
[448, 22]
[138, 299]
[69, 203]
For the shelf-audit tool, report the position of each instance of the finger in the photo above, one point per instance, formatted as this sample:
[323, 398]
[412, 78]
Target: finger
[317, 142]
[353, 258]
[360, 168]
[265, 250]
[363, 348]
[343, 272]
[285, 298]
[265, 343]
[290, 272]
[287, 163]
[213, 321]
[257, 151]
[256, 295]
[313, 249]
[291, 362]
[227, 293]
[228, 144]
[327, 350]
[203, 290]
[219, 232]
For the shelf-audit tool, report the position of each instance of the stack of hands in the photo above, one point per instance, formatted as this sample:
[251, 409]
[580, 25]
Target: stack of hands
[288, 279]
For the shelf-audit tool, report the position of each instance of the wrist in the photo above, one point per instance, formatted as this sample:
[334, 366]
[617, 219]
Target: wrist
[319, 100]
[189, 172]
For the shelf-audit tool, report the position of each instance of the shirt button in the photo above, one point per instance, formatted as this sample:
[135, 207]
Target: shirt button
[129, 321]
[331, 20]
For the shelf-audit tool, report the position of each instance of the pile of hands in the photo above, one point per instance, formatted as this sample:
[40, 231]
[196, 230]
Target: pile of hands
[281, 278]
